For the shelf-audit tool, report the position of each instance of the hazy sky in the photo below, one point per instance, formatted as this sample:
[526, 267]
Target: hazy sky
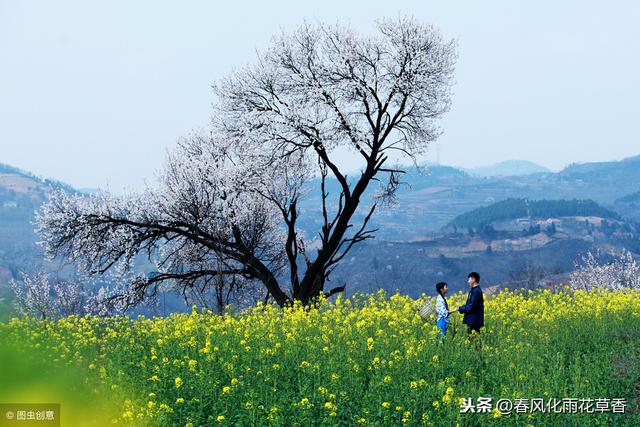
[93, 93]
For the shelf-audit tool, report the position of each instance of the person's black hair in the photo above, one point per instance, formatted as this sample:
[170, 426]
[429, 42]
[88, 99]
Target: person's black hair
[439, 287]
[475, 275]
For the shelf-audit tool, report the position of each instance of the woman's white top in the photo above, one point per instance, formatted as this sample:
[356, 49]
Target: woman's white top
[441, 309]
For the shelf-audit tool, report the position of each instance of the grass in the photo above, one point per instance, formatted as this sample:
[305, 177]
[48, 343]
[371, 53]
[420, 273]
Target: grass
[369, 361]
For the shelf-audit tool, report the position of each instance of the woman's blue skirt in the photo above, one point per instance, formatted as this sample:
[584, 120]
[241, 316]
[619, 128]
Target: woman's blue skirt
[442, 325]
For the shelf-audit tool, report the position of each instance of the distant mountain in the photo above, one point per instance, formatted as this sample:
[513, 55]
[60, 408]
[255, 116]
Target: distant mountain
[412, 250]
[512, 243]
[429, 202]
[21, 194]
[508, 168]
[629, 205]
[629, 198]
[623, 174]
[414, 179]
[432, 197]
[91, 191]
[20, 181]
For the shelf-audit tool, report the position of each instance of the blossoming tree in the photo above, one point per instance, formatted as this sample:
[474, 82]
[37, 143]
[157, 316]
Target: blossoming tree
[227, 204]
[623, 271]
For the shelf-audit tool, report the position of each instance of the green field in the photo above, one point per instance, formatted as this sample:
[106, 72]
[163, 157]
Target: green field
[370, 360]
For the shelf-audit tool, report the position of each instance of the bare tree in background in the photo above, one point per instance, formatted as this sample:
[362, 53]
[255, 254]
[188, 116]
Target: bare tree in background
[231, 198]
[528, 275]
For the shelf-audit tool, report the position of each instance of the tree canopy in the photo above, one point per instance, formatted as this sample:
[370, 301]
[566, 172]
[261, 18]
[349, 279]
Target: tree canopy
[227, 201]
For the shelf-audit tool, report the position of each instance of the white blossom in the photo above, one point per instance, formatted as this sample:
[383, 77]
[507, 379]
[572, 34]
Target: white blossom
[36, 296]
[622, 272]
[226, 202]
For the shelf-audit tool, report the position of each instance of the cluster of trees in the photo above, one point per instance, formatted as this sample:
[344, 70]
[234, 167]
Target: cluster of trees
[522, 208]
[531, 230]
[226, 209]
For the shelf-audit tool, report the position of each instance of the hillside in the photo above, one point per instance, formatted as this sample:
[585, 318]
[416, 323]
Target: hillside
[21, 193]
[20, 181]
[629, 198]
[429, 203]
[426, 205]
[513, 243]
[510, 253]
[524, 208]
[508, 168]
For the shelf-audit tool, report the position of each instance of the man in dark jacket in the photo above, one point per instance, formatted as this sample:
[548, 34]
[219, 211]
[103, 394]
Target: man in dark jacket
[473, 309]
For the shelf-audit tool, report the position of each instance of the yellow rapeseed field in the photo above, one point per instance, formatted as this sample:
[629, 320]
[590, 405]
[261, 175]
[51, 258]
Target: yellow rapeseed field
[368, 360]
